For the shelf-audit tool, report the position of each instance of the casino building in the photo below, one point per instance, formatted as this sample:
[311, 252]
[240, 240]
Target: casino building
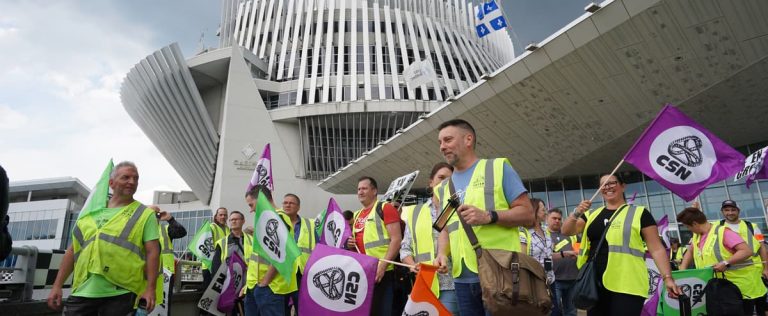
[322, 81]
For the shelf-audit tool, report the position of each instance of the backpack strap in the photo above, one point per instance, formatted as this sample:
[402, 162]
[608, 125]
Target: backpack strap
[749, 226]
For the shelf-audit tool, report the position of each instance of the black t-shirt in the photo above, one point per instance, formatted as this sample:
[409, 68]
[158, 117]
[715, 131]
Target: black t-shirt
[596, 229]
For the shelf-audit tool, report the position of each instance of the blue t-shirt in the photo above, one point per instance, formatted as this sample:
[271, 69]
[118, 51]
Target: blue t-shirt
[513, 187]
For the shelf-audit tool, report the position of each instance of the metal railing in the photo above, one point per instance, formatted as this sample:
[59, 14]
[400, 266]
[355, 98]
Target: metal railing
[17, 274]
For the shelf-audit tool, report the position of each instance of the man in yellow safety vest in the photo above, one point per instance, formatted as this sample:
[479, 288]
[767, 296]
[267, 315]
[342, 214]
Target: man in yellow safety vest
[114, 254]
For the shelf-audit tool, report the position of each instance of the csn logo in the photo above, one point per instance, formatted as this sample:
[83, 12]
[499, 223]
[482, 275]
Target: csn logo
[682, 155]
[337, 283]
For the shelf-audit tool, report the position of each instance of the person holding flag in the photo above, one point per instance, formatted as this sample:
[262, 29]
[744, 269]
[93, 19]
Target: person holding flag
[303, 232]
[422, 300]
[619, 263]
[377, 233]
[169, 231]
[723, 249]
[236, 241]
[419, 243]
[219, 231]
[115, 254]
[269, 282]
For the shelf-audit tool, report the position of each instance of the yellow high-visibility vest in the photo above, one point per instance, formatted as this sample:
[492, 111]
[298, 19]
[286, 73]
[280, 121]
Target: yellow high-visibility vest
[115, 250]
[486, 192]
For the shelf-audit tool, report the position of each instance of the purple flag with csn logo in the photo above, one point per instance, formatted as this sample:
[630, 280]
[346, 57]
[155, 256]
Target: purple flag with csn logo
[337, 282]
[654, 277]
[335, 231]
[233, 284]
[682, 155]
[262, 175]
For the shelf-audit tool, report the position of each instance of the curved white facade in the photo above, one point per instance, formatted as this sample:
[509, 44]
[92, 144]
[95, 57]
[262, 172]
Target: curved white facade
[321, 80]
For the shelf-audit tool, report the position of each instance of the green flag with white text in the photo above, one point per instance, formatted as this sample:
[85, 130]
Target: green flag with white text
[100, 193]
[202, 244]
[272, 239]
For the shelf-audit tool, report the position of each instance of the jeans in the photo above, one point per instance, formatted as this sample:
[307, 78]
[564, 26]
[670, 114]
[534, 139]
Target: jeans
[470, 299]
[262, 302]
[448, 298]
[556, 304]
[383, 295]
[565, 295]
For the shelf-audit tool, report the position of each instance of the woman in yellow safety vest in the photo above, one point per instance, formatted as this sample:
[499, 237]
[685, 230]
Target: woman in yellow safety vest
[420, 239]
[620, 262]
[725, 251]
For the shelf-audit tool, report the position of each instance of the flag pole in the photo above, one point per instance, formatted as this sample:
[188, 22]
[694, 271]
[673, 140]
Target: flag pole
[397, 263]
[601, 185]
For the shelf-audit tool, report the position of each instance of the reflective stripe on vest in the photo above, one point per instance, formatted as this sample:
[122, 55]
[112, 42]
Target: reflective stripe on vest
[626, 233]
[306, 225]
[115, 258]
[746, 278]
[78, 234]
[122, 240]
[167, 247]
[419, 257]
[381, 240]
[484, 191]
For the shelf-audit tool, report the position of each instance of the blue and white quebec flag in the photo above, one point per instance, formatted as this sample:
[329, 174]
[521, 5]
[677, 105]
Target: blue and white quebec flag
[489, 19]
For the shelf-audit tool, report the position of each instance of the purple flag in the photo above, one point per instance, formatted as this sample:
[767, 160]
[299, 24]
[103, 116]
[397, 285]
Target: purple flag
[682, 155]
[337, 282]
[335, 231]
[754, 167]
[654, 276]
[262, 175]
[233, 284]
[663, 226]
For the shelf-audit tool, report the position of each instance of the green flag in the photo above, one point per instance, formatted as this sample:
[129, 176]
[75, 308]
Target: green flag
[692, 283]
[202, 244]
[100, 193]
[320, 222]
[272, 240]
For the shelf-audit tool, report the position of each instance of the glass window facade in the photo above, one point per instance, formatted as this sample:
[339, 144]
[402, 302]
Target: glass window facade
[33, 230]
[192, 221]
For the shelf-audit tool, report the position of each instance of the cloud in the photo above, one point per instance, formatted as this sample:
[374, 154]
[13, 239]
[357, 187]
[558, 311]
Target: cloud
[11, 119]
[60, 75]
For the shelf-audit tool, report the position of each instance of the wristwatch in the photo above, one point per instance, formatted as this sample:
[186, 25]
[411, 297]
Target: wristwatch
[727, 265]
[494, 217]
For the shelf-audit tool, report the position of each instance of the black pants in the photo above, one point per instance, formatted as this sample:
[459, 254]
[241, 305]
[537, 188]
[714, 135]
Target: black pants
[755, 305]
[115, 305]
[612, 303]
[383, 294]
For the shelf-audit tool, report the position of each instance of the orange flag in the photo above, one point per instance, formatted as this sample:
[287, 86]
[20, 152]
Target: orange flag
[422, 301]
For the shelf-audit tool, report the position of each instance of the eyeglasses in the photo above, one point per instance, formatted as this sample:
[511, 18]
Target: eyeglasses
[610, 184]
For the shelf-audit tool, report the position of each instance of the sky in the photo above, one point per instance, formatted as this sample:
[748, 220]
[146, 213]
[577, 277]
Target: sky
[62, 64]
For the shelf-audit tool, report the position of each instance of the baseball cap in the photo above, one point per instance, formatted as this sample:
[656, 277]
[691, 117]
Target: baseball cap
[730, 203]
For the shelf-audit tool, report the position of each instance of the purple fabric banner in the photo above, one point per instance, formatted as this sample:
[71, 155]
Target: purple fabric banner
[654, 276]
[233, 283]
[335, 231]
[682, 155]
[337, 282]
[663, 226]
[263, 172]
